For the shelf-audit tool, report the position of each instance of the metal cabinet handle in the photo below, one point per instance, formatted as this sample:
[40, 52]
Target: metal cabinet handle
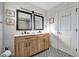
[29, 43]
[44, 40]
[27, 38]
[26, 44]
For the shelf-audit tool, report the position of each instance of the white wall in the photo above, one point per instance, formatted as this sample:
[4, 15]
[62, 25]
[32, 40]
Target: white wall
[1, 26]
[10, 30]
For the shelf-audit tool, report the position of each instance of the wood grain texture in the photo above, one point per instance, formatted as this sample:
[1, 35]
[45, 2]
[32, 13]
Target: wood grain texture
[26, 46]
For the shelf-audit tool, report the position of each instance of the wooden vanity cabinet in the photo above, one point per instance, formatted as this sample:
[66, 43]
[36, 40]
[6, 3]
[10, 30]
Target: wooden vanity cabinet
[26, 46]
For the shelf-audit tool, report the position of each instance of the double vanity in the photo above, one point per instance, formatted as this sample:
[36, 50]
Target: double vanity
[30, 44]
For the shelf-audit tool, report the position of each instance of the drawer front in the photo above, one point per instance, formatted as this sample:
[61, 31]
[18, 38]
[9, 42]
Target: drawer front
[23, 37]
[43, 35]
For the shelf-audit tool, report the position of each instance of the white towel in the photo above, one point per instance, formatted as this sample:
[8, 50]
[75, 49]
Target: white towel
[7, 53]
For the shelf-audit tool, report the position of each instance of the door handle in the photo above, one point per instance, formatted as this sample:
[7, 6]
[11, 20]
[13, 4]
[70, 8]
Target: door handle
[27, 38]
[76, 30]
[59, 32]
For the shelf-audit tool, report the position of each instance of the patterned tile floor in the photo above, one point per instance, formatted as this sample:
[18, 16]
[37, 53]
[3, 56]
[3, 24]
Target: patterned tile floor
[52, 52]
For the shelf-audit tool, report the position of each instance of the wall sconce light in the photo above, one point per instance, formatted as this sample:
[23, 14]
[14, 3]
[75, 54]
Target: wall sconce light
[51, 20]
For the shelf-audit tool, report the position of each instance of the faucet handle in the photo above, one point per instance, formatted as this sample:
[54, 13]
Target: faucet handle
[24, 32]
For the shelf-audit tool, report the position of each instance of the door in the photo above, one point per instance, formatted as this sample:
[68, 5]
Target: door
[78, 26]
[65, 34]
[74, 28]
[67, 30]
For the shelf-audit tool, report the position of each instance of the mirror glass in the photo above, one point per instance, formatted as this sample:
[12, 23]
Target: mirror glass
[38, 22]
[24, 20]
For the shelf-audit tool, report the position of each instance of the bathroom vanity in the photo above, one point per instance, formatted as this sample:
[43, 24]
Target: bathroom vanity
[30, 44]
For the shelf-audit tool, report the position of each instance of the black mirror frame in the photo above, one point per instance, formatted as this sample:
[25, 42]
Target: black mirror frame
[42, 22]
[17, 11]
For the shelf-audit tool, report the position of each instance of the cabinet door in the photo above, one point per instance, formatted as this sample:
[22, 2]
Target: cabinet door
[26, 48]
[42, 43]
[33, 46]
[46, 42]
[20, 47]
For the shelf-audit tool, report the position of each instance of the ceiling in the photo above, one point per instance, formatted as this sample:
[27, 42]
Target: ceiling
[46, 5]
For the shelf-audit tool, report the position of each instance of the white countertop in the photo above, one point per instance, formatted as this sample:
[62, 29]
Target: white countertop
[28, 34]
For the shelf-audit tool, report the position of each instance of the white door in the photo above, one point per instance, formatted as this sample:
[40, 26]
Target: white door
[78, 26]
[67, 29]
[65, 33]
[73, 42]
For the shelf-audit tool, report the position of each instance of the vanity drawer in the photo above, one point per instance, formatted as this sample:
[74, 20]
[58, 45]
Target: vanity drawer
[23, 37]
[43, 35]
[27, 37]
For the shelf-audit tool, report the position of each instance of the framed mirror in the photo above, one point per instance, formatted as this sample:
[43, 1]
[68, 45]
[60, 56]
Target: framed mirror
[38, 22]
[24, 20]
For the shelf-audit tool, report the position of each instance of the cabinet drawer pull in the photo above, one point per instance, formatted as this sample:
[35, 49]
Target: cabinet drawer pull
[27, 38]
[29, 43]
[26, 44]
[44, 40]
